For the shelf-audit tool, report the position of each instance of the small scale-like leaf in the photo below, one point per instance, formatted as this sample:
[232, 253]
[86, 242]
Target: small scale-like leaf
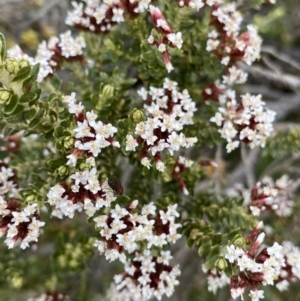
[216, 239]
[56, 82]
[22, 74]
[33, 75]
[19, 110]
[34, 123]
[51, 98]
[233, 233]
[16, 119]
[27, 97]
[59, 132]
[212, 257]
[204, 249]
[49, 135]
[35, 70]
[55, 163]
[11, 105]
[30, 114]
[2, 47]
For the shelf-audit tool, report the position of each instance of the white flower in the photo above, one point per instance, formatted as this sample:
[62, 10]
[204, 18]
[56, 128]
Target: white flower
[176, 39]
[256, 295]
[160, 166]
[117, 15]
[146, 162]
[233, 253]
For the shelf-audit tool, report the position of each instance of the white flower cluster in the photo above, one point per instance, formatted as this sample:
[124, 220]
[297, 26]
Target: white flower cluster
[17, 53]
[291, 271]
[21, 226]
[255, 267]
[168, 111]
[169, 38]
[7, 184]
[121, 229]
[99, 16]
[51, 54]
[84, 191]
[145, 277]
[227, 42]
[91, 135]
[247, 121]
[215, 279]
[267, 195]
[270, 195]
[64, 46]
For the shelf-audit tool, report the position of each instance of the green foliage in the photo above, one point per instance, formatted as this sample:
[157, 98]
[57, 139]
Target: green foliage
[283, 144]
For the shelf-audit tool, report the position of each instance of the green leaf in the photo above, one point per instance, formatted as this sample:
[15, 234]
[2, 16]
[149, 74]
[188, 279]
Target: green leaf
[33, 101]
[53, 115]
[11, 105]
[19, 110]
[55, 163]
[52, 97]
[216, 239]
[59, 132]
[16, 119]
[35, 70]
[233, 233]
[2, 47]
[34, 123]
[190, 242]
[56, 82]
[49, 135]
[204, 248]
[30, 114]
[212, 257]
[33, 75]
[22, 74]
[27, 97]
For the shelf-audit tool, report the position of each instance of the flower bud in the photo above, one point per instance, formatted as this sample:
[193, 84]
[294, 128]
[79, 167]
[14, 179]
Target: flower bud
[23, 63]
[12, 66]
[4, 95]
[31, 199]
[238, 241]
[68, 142]
[107, 92]
[221, 264]
[137, 116]
[63, 171]
[16, 281]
